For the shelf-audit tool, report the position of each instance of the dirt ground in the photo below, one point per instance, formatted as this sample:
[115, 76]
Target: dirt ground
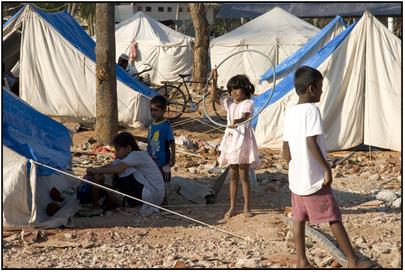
[121, 239]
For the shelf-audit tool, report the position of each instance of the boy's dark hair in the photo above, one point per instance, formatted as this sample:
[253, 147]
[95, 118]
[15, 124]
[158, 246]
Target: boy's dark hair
[125, 139]
[304, 77]
[241, 82]
[159, 101]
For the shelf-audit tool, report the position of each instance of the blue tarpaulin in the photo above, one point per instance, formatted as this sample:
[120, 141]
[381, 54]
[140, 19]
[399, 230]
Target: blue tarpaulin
[34, 135]
[252, 10]
[304, 52]
[67, 26]
[287, 84]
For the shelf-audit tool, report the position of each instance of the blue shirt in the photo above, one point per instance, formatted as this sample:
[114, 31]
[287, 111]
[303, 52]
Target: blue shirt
[159, 138]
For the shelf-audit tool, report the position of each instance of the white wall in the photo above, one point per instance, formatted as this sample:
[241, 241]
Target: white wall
[125, 11]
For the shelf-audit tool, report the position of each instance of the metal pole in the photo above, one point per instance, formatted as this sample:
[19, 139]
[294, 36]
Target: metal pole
[391, 24]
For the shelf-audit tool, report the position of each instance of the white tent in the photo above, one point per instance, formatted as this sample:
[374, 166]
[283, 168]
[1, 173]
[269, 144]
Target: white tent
[30, 135]
[276, 33]
[57, 68]
[361, 100]
[169, 52]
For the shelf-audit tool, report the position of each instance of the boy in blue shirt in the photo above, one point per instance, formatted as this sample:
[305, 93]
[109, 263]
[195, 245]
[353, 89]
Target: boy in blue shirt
[161, 145]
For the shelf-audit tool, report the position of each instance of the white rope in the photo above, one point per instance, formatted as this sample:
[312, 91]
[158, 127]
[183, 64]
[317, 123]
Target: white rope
[143, 201]
[197, 119]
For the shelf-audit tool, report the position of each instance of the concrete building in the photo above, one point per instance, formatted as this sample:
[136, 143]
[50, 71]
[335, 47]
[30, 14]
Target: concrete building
[165, 12]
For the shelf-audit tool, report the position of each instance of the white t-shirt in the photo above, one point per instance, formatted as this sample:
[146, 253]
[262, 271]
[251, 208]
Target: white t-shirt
[305, 174]
[145, 171]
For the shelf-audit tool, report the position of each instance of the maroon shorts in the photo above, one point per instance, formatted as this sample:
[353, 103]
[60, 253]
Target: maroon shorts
[320, 207]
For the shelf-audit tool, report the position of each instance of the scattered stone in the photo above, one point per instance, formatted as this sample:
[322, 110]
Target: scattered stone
[179, 264]
[372, 203]
[34, 236]
[73, 127]
[382, 248]
[87, 244]
[374, 178]
[355, 169]
[212, 152]
[365, 175]
[338, 174]
[92, 140]
[69, 236]
[397, 203]
[386, 195]
[12, 238]
[359, 240]
[380, 164]
[248, 263]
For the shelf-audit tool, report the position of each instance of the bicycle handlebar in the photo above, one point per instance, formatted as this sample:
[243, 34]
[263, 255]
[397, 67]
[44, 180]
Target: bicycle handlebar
[144, 71]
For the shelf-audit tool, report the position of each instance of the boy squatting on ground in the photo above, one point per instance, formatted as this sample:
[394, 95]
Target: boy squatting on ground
[310, 177]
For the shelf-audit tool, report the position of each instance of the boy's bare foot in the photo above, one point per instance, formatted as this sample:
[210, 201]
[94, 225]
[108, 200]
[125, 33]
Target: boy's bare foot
[247, 214]
[360, 264]
[229, 214]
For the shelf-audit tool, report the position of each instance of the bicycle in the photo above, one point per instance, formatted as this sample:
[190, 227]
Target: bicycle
[177, 100]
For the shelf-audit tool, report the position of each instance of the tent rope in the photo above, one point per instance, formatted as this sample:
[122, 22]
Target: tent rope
[50, 10]
[143, 201]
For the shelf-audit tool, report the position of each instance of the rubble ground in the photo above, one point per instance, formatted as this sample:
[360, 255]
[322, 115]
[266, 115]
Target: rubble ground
[367, 187]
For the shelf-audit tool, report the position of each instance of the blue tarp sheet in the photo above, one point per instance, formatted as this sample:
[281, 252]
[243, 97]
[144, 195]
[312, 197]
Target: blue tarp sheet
[34, 135]
[304, 52]
[252, 10]
[67, 26]
[13, 17]
[287, 84]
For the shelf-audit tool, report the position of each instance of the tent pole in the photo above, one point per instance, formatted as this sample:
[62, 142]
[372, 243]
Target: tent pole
[391, 24]
[177, 15]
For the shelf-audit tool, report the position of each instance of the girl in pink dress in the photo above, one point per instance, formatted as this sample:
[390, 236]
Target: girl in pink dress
[238, 147]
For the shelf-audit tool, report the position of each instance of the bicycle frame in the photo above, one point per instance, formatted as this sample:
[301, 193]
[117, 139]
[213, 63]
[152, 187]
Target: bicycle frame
[190, 98]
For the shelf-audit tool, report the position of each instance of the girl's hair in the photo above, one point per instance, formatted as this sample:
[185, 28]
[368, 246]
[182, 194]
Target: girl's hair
[125, 139]
[241, 82]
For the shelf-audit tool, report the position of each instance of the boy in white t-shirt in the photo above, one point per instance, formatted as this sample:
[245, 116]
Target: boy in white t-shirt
[309, 174]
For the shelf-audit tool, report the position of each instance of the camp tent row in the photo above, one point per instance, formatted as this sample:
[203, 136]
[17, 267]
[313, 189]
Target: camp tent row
[276, 33]
[320, 39]
[361, 100]
[57, 67]
[169, 52]
[30, 135]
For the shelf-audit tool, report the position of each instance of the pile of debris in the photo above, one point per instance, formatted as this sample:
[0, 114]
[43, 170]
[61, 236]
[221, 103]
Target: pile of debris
[91, 154]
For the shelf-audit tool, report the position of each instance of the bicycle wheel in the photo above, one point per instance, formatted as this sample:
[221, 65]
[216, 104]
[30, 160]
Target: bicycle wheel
[176, 101]
[220, 112]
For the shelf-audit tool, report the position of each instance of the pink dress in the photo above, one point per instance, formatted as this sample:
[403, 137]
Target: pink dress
[238, 145]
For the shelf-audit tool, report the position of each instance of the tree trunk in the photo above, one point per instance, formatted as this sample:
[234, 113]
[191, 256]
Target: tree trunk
[72, 8]
[106, 96]
[90, 25]
[201, 43]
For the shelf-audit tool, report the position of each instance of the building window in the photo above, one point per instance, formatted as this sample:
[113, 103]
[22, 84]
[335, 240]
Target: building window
[139, 8]
[169, 9]
[188, 9]
[180, 9]
[160, 9]
[148, 9]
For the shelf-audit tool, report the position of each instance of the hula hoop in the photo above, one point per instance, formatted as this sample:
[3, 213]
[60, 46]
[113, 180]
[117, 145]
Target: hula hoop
[264, 106]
